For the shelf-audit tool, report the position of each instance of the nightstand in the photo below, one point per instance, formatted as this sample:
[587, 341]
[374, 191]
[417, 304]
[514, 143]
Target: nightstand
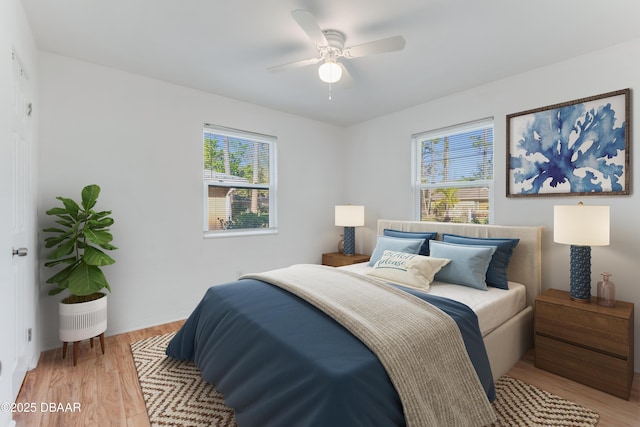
[585, 342]
[336, 259]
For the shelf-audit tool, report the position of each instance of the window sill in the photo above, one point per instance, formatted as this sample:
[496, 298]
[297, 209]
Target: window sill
[239, 233]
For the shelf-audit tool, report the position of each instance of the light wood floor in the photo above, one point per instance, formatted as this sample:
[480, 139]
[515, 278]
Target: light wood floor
[106, 387]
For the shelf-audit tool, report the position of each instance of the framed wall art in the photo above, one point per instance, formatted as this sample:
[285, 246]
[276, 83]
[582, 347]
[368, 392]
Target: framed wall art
[579, 147]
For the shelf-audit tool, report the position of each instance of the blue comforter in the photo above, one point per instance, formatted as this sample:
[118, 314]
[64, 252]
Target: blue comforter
[279, 361]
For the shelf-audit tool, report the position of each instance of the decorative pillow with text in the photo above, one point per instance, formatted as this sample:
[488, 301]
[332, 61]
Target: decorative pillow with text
[410, 270]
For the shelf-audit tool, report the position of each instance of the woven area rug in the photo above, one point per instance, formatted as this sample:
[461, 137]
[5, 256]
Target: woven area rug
[175, 395]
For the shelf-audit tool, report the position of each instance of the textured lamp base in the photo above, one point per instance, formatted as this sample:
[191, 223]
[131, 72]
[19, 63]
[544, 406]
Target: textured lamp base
[349, 240]
[580, 268]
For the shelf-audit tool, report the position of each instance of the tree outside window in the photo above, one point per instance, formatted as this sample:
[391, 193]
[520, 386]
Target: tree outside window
[238, 180]
[454, 174]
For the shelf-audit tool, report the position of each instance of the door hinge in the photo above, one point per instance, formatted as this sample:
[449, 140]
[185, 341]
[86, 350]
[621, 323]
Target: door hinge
[29, 334]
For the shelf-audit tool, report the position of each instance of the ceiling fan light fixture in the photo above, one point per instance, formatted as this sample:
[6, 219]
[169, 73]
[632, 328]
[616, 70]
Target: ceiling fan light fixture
[330, 72]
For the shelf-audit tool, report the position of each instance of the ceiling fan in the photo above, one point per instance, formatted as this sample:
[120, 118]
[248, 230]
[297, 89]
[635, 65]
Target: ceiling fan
[330, 45]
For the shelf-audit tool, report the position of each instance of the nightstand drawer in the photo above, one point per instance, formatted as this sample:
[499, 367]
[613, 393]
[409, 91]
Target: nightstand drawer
[585, 342]
[597, 370]
[597, 331]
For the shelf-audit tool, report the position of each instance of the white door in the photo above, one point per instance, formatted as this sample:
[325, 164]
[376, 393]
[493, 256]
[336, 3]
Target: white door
[7, 309]
[7, 300]
[22, 224]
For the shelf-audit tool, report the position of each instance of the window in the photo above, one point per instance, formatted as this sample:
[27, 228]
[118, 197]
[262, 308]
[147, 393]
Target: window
[239, 182]
[453, 173]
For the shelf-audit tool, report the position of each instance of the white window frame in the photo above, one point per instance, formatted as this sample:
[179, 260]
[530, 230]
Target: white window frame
[271, 186]
[416, 158]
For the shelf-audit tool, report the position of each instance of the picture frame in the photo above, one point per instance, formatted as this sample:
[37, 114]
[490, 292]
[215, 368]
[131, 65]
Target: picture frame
[575, 148]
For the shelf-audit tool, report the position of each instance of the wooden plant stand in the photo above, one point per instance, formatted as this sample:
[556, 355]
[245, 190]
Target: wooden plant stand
[75, 347]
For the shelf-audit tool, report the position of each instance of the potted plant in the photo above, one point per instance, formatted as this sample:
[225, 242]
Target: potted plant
[79, 240]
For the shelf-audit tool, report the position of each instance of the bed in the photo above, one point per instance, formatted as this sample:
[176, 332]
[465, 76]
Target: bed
[280, 360]
[507, 343]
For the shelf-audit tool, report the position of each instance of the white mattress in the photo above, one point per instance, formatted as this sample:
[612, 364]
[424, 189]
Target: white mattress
[493, 307]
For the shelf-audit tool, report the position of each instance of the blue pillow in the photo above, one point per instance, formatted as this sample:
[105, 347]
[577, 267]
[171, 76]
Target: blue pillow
[396, 244]
[468, 266]
[497, 271]
[426, 236]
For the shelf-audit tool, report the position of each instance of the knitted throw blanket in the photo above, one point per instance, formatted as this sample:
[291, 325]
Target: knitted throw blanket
[420, 347]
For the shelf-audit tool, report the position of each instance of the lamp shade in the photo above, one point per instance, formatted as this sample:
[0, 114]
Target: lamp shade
[581, 225]
[330, 72]
[349, 216]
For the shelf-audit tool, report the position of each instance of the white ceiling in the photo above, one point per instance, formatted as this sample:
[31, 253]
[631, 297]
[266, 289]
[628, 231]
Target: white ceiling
[226, 46]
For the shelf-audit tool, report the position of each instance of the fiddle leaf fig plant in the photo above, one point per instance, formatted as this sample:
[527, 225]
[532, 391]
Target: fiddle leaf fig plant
[79, 240]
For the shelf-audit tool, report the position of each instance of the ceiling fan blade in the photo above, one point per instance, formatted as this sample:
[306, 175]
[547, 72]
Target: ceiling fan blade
[309, 25]
[296, 64]
[390, 44]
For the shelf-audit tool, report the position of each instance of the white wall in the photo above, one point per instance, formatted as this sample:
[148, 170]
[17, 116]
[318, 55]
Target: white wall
[381, 179]
[141, 140]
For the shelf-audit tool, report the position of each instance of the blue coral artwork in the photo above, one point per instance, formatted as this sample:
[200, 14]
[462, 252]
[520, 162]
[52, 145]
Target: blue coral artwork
[574, 148]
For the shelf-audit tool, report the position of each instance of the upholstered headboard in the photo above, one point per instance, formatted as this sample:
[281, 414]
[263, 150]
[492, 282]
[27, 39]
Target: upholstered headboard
[526, 262]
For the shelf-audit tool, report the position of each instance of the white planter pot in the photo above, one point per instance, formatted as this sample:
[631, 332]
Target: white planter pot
[83, 320]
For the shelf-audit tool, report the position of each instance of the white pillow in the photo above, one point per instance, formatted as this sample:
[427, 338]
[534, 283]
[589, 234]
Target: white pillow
[410, 270]
[398, 244]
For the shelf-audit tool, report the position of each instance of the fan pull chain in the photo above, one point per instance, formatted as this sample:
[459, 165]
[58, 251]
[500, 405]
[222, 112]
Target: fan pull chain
[330, 92]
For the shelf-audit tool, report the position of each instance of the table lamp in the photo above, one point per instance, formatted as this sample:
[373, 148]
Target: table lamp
[581, 227]
[349, 217]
